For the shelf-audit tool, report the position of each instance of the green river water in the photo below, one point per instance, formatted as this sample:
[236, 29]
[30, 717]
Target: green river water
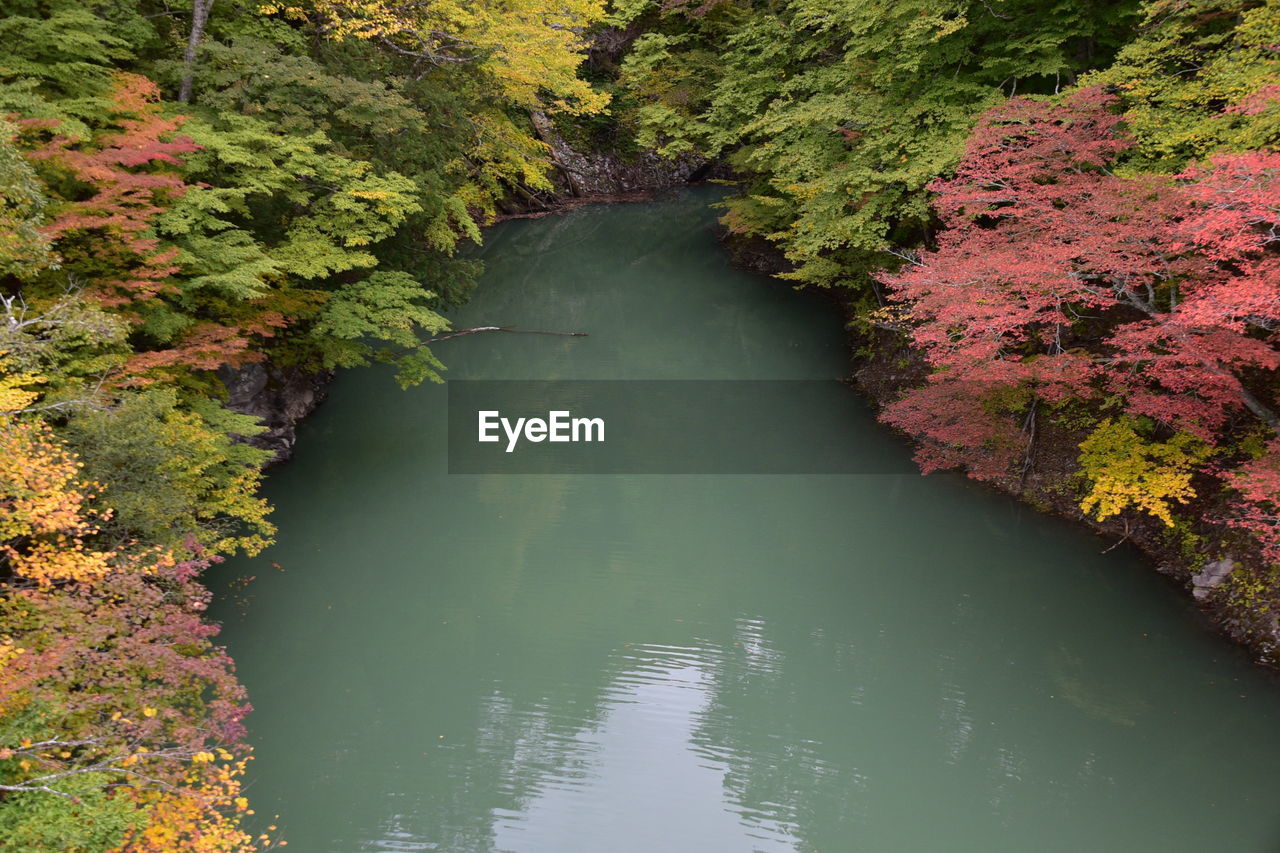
[588, 664]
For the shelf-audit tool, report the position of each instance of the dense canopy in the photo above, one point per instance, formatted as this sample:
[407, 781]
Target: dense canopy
[1066, 216]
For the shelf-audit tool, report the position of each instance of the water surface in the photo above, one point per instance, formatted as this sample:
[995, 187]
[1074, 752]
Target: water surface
[572, 664]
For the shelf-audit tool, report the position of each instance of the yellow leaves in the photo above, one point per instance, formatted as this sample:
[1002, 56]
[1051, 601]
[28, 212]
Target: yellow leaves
[195, 460]
[44, 517]
[1126, 470]
[148, 712]
[371, 195]
[528, 46]
[8, 651]
[14, 396]
[200, 815]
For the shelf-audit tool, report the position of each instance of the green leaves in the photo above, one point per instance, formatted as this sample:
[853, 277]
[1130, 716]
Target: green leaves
[68, 50]
[230, 264]
[58, 66]
[388, 307]
[87, 819]
[1202, 77]
[173, 472]
[841, 112]
[23, 249]
[311, 211]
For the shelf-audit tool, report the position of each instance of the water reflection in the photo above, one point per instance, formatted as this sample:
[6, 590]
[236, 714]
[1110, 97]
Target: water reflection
[654, 709]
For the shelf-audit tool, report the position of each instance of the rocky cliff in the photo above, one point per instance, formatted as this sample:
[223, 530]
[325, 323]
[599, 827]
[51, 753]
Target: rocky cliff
[279, 397]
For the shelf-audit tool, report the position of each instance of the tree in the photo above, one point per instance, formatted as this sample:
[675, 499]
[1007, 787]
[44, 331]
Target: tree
[1127, 470]
[1199, 79]
[529, 46]
[1256, 482]
[107, 234]
[839, 113]
[176, 477]
[23, 249]
[1056, 276]
[45, 517]
[122, 722]
[199, 20]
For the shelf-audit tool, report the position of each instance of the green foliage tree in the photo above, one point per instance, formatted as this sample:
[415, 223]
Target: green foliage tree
[92, 822]
[306, 202]
[175, 476]
[23, 249]
[1201, 77]
[839, 113]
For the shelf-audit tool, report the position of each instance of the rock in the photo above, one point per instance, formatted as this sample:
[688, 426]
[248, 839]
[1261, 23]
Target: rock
[754, 254]
[1211, 577]
[604, 174]
[279, 397]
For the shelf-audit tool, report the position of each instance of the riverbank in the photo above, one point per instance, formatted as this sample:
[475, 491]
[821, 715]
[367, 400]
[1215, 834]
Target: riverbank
[1220, 569]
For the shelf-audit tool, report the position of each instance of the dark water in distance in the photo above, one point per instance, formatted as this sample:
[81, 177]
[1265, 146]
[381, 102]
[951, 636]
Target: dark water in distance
[573, 664]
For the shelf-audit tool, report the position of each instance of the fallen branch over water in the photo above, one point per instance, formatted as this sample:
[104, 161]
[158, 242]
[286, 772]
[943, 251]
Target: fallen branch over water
[513, 330]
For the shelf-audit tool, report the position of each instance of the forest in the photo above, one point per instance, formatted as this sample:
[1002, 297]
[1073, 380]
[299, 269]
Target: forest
[1061, 220]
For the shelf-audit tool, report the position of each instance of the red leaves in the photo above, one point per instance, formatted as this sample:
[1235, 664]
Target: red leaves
[112, 188]
[1059, 278]
[1258, 511]
[1258, 102]
[1236, 203]
[1022, 145]
[1235, 221]
[131, 174]
[962, 425]
[207, 346]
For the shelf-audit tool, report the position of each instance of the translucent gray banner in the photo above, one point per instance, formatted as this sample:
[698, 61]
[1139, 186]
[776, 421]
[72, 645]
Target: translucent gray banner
[666, 427]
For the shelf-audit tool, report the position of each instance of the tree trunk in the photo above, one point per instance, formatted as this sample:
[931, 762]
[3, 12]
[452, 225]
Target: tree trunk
[1252, 403]
[199, 17]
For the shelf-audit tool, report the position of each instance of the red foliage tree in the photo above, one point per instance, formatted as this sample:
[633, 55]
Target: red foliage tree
[1257, 510]
[1057, 278]
[126, 177]
[111, 188]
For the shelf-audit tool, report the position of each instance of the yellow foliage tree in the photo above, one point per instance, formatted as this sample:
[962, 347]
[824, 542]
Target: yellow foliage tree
[530, 47]
[203, 816]
[45, 519]
[16, 393]
[227, 504]
[1127, 470]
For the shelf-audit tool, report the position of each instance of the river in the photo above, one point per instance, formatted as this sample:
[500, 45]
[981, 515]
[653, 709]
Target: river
[636, 663]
